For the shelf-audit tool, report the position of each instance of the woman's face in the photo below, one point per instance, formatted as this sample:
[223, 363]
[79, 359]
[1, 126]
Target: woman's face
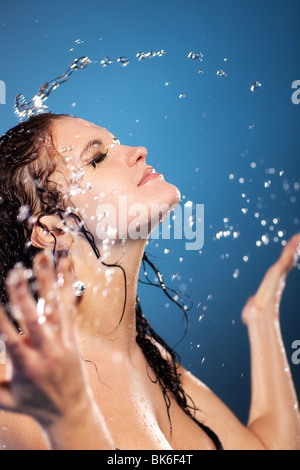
[102, 179]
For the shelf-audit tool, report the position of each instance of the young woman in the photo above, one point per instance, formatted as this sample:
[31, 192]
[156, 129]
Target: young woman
[87, 371]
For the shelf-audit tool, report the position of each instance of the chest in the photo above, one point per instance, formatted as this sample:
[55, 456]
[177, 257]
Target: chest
[136, 414]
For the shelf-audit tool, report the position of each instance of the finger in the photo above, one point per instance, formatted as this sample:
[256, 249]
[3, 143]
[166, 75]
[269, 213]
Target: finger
[290, 255]
[7, 330]
[67, 296]
[12, 339]
[47, 287]
[22, 301]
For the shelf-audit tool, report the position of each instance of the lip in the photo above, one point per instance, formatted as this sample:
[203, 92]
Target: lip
[147, 174]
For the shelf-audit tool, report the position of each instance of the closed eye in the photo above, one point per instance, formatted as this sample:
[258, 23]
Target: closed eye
[98, 159]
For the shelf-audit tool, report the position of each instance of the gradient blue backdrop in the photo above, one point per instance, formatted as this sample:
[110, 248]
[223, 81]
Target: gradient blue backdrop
[197, 142]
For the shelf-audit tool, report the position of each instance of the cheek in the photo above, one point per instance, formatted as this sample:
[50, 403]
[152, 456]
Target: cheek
[105, 205]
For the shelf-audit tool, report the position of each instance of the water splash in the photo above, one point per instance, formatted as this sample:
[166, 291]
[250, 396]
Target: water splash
[36, 105]
[124, 61]
[255, 86]
[106, 61]
[195, 56]
[141, 55]
[221, 73]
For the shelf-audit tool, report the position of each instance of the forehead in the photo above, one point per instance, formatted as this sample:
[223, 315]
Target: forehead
[76, 132]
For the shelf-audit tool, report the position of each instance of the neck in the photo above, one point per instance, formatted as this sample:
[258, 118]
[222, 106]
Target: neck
[107, 310]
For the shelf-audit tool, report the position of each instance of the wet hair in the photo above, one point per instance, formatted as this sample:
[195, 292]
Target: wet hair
[27, 193]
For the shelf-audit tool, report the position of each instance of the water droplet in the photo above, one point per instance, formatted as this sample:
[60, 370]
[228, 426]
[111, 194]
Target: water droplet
[181, 96]
[280, 233]
[221, 73]
[106, 62]
[42, 319]
[195, 56]
[124, 61]
[78, 41]
[141, 55]
[255, 86]
[188, 204]
[23, 213]
[236, 273]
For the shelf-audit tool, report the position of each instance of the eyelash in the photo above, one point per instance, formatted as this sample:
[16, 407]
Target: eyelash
[98, 159]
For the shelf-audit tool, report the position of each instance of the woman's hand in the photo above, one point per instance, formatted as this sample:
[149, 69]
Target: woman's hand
[48, 380]
[267, 299]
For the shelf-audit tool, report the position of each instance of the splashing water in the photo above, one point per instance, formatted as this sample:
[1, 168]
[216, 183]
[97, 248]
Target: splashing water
[196, 56]
[124, 61]
[255, 86]
[106, 62]
[141, 55]
[36, 105]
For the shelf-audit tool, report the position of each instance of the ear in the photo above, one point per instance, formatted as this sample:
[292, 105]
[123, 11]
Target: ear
[51, 233]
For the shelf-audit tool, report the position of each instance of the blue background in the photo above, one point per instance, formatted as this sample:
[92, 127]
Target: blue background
[197, 142]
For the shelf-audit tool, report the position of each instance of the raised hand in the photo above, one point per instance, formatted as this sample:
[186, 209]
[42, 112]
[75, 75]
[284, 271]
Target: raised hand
[48, 379]
[268, 297]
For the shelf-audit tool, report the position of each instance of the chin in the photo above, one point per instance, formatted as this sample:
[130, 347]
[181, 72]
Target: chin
[164, 203]
[178, 196]
[170, 195]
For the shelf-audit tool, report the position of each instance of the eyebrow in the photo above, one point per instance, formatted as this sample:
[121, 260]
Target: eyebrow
[92, 143]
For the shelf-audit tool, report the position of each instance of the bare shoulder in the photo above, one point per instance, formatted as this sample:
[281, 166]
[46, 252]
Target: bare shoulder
[19, 432]
[215, 414]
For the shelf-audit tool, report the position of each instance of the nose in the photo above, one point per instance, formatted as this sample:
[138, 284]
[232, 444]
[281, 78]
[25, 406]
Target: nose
[136, 154]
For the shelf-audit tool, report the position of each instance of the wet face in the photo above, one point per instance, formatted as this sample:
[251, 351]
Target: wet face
[112, 186]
